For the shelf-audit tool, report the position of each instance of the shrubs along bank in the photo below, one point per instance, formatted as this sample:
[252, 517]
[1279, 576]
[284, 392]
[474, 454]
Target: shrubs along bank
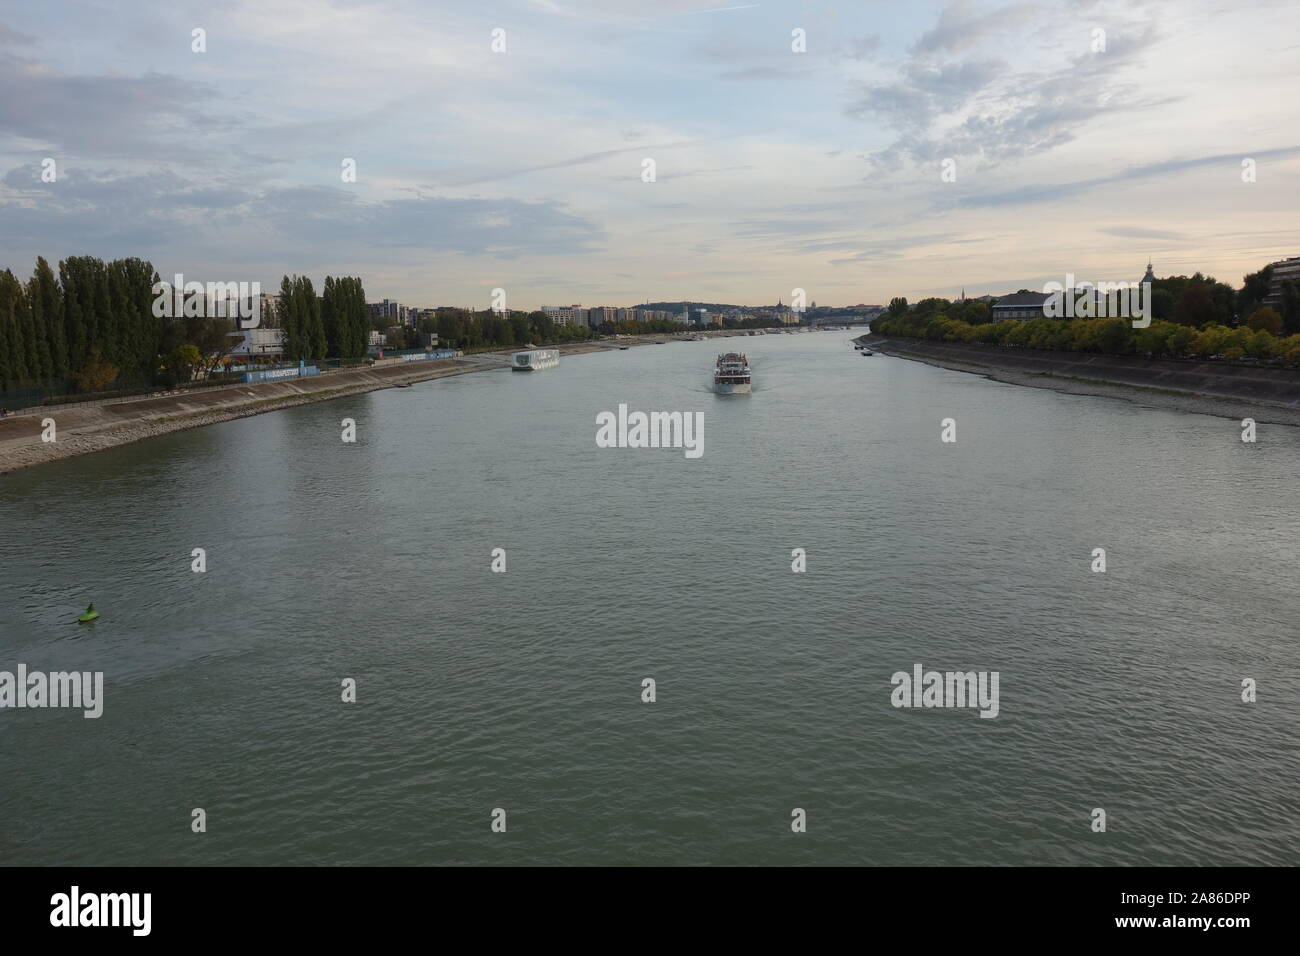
[938, 320]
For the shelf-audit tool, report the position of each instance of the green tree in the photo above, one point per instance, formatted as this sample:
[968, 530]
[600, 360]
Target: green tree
[182, 360]
[47, 308]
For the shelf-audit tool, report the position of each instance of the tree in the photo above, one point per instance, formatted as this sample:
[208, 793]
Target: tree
[211, 338]
[1290, 306]
[1179, 339]
[898, 306]
[337, 334]
[182, 360]
[95, 373]
[1267, 319]
[13, 348]
[47, 309]
[1195, 307]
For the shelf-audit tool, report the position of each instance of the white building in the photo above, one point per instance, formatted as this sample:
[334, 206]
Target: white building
[258, 343]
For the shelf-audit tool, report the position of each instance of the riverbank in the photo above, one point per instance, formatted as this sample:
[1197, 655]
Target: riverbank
[88, 427]
[1268, 395]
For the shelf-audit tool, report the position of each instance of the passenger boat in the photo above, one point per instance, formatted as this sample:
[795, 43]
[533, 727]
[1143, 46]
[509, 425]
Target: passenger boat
[535, 360]
[731, 376]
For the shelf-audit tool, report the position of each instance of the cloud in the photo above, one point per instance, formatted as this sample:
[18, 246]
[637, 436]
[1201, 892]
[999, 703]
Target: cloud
[926, 92]
[889, 248]
[862, 47]
[479, 175]
[961, 27]
[112, 116]
[1133, 232]
[11, 37]
[498, 227]
[990, 110]
[1046, 192]
[148, 212]
[135, 212]
[762, 73]
[685, 173]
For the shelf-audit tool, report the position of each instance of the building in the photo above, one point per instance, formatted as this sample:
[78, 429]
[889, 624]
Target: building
[269, 305]
[567, 314]
[600, 315]
[1284, 270]
[259, 343]
[394, 312]
[1019, 306]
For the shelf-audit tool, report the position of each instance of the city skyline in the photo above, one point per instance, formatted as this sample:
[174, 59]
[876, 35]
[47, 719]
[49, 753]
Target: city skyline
[523, 169]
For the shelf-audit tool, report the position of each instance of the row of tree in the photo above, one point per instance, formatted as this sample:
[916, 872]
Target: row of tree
[470, 330]
[92, 326]
[1195, 301]
[1111, 336]
[335, 324]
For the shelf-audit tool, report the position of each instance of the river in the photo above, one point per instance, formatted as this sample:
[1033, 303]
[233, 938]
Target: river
[522, 690]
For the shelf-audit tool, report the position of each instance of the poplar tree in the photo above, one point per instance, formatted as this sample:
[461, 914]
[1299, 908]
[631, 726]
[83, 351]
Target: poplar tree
[13, 348]
[46, 300]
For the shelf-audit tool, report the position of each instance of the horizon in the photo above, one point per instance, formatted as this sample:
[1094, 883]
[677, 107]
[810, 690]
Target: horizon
[523, 169]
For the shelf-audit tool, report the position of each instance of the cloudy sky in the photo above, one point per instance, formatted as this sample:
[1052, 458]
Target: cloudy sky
[774, 169]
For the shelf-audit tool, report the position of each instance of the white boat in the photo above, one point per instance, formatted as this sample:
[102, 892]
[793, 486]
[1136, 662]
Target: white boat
[731, 376]
[535, 359]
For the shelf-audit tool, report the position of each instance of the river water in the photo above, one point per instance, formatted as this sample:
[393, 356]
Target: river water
[522, 690]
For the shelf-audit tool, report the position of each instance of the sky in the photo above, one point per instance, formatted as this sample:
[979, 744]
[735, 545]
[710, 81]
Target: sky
[909, 148]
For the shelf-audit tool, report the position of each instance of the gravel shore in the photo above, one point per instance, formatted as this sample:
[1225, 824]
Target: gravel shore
[984, 362]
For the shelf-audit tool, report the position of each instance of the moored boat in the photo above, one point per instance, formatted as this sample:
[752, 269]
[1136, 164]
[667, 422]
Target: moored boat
[535, 359]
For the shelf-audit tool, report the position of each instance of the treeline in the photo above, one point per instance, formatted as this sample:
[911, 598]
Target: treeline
[930, 319]
[92, 326]
[1200, 300]
[1191, 316]
[469, 330]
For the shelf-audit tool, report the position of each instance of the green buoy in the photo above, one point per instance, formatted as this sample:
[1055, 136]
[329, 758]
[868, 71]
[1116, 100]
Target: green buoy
[90, 615]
